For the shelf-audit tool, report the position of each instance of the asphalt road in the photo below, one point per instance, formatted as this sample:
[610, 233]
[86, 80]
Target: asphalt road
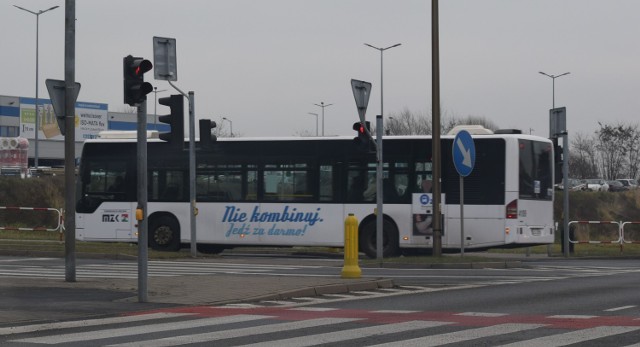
[544, 303]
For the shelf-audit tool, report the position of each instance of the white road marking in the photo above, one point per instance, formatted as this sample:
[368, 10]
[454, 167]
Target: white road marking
[462, 335]
[137, 330]
[573, 337]
[233, 333]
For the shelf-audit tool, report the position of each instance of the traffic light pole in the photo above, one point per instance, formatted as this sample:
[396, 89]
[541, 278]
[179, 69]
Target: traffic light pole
[142, 202]
[435, 130]
[192, 174]
[192, 168]
[379, 196]
[69, 142]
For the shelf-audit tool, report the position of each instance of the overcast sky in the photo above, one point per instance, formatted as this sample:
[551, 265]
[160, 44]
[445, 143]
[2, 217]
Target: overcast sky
[265, 63]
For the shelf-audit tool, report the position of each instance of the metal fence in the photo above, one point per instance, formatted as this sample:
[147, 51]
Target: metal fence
[619, 234]
[58, 213]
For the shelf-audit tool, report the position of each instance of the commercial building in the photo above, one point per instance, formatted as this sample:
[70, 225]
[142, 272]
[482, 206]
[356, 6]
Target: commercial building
[17, 119]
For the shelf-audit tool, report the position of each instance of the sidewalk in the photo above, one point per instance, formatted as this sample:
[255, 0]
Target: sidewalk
[36, 299]
[26, 299]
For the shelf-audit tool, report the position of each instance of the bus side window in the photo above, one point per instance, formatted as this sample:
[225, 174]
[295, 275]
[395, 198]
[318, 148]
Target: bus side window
[170, 193]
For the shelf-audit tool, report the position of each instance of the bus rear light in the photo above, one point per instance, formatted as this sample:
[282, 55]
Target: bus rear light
[507, 230]
[512, 210]
[405, 238]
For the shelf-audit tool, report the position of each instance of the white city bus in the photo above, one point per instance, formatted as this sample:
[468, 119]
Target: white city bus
[298, 192]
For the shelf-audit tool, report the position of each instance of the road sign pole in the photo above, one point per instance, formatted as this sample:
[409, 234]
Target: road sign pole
[464, 158]
[461, 216]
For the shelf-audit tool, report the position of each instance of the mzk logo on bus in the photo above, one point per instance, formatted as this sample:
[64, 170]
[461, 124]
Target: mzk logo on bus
[115, 217]
[241, 223]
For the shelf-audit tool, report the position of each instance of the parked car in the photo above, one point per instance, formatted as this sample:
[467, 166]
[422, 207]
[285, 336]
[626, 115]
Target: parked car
[574, 184]
[628, 182]
[617, 186]
[596, 185]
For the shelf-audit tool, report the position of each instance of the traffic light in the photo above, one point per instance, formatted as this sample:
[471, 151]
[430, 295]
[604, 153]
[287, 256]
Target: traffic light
[557, 160]
[206, 138]
[363, 140]
[175, 119]
[135, 88]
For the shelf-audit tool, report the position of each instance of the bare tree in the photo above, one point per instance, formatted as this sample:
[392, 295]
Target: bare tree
[612, 145]
[582, 158]
[633, 150]
[409, 123]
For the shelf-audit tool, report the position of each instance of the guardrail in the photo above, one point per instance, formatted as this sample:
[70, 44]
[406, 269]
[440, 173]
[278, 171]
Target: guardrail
[620, 238]
[622, 232]
[58, 212]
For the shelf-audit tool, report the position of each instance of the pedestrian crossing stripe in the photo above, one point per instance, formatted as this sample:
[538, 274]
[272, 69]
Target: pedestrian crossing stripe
[88, 322]
[350, 334]
[137, 330]
[462, 335]
[234, 333]
[371, 328]
[577, 336]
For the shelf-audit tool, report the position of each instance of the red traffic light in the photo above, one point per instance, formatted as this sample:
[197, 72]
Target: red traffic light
[141, 66]
[135, 88]
[360, 127]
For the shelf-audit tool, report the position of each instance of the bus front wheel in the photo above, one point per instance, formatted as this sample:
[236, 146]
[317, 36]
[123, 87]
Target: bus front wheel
[164, 234]
[389, 239]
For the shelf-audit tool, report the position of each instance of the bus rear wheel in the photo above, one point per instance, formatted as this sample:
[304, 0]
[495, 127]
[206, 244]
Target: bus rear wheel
[390, 242]
[164, 234]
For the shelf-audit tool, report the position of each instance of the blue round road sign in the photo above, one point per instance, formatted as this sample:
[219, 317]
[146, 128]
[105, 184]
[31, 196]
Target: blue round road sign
[464, 153]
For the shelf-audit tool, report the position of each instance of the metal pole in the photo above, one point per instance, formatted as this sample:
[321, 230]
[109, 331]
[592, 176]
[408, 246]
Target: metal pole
[553, 92]
[461, 216]
[565, 195]
[379, 189]
[35, 159]
[230, 125]
[192, 174]
[37, 101]
[381, 87]
[321, 104]
[322, 118]
[142, 202]
[69, 142]
[435, 124]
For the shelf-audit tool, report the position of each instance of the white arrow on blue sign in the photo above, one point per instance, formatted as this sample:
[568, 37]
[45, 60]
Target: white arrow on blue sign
[464, 153]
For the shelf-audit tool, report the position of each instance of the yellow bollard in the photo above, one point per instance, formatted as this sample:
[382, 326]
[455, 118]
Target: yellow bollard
[351, 269]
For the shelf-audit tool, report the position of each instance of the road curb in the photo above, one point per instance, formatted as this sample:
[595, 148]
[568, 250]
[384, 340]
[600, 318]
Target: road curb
[339, 288]
[472, 265]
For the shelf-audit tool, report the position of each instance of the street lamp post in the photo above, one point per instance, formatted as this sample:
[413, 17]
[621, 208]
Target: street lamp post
[553, 86]
[37, 124]
[230, 125]
[315, 114]
[379, 169]
[155, 106]
[565, 168]
[323, 105]
[381, 75]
